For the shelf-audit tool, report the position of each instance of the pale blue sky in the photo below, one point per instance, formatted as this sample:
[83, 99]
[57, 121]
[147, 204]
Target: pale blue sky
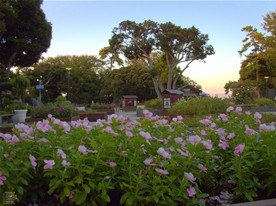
[84, 27]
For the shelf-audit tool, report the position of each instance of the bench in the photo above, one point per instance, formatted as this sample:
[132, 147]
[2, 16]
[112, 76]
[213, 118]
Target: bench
[4, 115]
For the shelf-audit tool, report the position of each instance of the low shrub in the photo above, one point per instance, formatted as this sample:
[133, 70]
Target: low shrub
[195, 106]
[42, 111]
[154, 104]
[263, 102]
[229, 157]
[101, 106]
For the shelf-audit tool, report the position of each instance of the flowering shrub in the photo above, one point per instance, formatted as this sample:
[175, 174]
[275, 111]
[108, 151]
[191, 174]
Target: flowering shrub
[154, 104]
[58, 111]
[229, 157]
[195, 106]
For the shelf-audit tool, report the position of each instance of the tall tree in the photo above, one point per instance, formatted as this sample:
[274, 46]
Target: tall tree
[148, 40]
[259, 50]
[84, 83]
[27, 33]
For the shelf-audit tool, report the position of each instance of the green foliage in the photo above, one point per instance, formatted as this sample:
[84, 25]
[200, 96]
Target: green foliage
[84, 80]
[20, 84]
[58, 111]
[26, 35]
[263, 102]
[15, 106]
[242, 92]
[61, 101]
[142, 162]
[102, 106]
[195, 106]
[154, 104]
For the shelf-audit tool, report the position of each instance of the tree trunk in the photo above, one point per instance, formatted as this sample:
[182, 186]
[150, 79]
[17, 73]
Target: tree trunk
[156, 87]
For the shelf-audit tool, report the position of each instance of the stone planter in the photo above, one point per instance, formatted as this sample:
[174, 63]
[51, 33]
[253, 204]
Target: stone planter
[20, 115]
[108, 111]
[66, 119]
[6, 129]
[93, 117]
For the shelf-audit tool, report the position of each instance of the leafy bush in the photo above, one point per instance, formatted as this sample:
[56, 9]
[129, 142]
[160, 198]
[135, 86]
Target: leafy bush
[230, 157]
[15, 106]
[154, 104]
[194, 106]
[263, 102]
[101, 106]
[42, 111]
[61, 101]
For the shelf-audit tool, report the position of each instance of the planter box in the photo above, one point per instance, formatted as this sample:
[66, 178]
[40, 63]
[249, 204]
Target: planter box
[108, 111]
[270, 202]
[6, 129]
[264, 109]
[93, 117]
[66, 119]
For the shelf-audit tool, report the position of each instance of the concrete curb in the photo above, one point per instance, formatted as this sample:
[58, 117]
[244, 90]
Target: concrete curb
[270, 202]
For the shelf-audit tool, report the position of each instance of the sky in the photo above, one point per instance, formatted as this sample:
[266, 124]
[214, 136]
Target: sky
[84, 27]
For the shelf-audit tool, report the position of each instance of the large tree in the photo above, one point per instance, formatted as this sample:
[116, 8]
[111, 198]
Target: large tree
[148, 40]
[83, 82]
[26, 35]
[259, 50]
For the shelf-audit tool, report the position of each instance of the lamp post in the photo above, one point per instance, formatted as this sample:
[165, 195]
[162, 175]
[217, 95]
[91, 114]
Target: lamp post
[68, 83]
[266, 79]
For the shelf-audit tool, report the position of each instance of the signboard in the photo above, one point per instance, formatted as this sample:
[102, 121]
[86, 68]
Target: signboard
[167, 102]
[39, 87]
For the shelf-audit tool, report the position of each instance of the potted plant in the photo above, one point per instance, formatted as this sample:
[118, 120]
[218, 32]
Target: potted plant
[19, 109]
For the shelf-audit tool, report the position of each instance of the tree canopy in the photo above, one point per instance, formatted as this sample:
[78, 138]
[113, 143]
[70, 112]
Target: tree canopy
[259, 50]
[84, 82]
[24, 33]
[148, 40]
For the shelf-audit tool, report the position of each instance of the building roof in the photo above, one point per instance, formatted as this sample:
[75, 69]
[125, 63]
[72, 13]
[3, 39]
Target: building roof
[172, 91]
[189, 87]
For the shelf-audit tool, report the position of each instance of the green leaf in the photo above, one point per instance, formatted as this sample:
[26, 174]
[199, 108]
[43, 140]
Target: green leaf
[86, 188]
[124, 198]
[80, 197]
[66, 191]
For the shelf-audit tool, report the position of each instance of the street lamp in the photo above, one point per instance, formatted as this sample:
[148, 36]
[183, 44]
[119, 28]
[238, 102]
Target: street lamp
[68, 83]
[266, 79]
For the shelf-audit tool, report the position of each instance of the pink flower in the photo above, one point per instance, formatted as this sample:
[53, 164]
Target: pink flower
[178, 140]
[147, 113]
[32, 159]
[2, 178]
[49, 164]
[202, 168]
[148, 161]
[249, 131]
[194, 140]
[203, 132]
[223, 117]
[146, 135]
[129, 133]
[182, 153]
[239, 149]
[65, 163]
[266, 128]
[191, 192]
[60, 153]
[163, 153]
[238, 110]
[220, 132]
[247, 113]
[231, 135]
[111, 163]
[82, 149]
[206, 122]
[190, 177]
[207, 144]
[223, 144]
[229, 109]
[257, 116]
[163, 172]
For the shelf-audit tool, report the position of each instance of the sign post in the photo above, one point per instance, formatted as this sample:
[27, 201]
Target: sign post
[39, 87]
